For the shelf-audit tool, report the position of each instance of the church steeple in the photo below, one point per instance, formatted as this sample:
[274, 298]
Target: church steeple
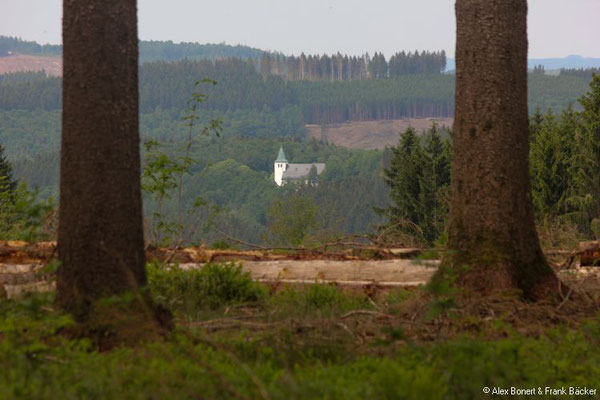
[281, 155]
[280, 165]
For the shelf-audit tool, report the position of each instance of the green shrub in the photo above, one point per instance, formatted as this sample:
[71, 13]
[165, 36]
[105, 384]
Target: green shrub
[211, 286]
[220, 244]
[23, 215]
[319, 297]
[398, 296]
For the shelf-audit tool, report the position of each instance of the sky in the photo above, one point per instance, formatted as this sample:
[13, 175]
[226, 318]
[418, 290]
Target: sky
[557, 28]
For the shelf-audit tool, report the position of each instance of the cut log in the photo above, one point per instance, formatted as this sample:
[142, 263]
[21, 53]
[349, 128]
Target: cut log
[589, 253]
[16, 291]
[396, 272]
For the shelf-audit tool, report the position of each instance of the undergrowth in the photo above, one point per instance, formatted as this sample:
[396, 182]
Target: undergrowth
[212, 286]
[290, 343]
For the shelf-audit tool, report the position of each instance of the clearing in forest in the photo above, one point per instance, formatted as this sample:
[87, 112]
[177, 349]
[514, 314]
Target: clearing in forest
[371, 134]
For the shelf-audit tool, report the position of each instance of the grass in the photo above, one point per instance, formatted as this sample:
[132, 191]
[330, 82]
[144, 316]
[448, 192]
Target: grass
[238, 339]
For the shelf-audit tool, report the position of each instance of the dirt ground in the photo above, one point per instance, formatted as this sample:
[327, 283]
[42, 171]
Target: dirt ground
[371, 134]
[18, 63]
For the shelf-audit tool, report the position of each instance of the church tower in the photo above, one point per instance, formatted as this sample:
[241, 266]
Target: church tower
[281, 164]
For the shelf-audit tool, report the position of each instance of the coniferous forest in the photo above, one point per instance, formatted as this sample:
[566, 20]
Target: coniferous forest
[262, 100]
[241, 86]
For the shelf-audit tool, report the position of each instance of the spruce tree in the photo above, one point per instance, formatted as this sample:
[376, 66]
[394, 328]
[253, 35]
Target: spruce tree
[404, 179]
[491, 223]
[548, 164]
[100, 234]
[7, 182]
[434, 183]
[586, 158]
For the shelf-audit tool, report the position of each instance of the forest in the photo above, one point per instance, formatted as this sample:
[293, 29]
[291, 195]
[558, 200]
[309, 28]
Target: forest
[151, 50]
[257, 114]
[170, 84]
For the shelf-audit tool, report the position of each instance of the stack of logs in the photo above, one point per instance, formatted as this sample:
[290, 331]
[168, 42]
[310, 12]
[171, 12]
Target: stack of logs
[23, 265]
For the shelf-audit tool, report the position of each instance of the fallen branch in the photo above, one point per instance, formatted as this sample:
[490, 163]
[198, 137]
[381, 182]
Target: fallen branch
[226, 323]
[565, 299]
[345, 327]
[345, 242]
[366, 312]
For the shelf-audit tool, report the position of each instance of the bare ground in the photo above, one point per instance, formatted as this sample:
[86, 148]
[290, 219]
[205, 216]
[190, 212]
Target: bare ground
[21, 63]
[371, 134]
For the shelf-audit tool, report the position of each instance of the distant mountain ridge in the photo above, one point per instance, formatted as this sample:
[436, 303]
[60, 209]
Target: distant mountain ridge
[571, 61]
[149, 50]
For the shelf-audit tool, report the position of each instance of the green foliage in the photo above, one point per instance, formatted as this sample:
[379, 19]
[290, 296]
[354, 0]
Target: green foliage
[37, 362]
[164, 85]
[292, 221]
[154, 50]
[434, 191]
[318, 297]
[7, 182]
[550, 158]
[419, 181]
[398, 296]
[212, 286]
[163, 174]
[20, 46]
[565, 163]
[23, 215]
[580, 72]
[442, 286]
[586, 161]
[151, 50]
[233, 173]
[27, 133]
[220, 244]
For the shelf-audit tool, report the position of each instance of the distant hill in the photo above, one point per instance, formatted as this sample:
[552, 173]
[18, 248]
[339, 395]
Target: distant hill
[149, 50]
[51, 65]
[168, 51]
[168, 85]
[13, 45]
[572, 61]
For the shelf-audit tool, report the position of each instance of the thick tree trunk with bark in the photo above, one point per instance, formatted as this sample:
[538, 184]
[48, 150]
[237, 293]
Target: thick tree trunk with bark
[100, 235]
[492, 232]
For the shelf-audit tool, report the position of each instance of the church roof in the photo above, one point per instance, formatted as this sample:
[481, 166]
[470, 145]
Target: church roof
[297, 171]
[281, 155]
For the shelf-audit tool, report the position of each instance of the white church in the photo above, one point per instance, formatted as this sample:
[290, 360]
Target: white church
[286, 172]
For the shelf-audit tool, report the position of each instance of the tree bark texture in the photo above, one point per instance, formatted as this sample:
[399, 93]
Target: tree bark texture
[100, 236]
[491, 228]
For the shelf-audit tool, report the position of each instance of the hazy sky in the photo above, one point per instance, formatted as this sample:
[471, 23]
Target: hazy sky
[557, 28]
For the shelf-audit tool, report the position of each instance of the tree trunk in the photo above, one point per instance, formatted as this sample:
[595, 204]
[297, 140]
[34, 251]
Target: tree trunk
[492, 232]
[100, 235]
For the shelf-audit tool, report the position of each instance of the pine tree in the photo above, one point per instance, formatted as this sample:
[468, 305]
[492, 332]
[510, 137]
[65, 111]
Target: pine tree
[7, 182]
[404, 179]
[491, 222]
[434, 184]
[549, 163]
[535, 123]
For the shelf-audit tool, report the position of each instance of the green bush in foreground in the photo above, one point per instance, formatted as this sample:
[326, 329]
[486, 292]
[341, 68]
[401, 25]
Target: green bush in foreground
[211, 286]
